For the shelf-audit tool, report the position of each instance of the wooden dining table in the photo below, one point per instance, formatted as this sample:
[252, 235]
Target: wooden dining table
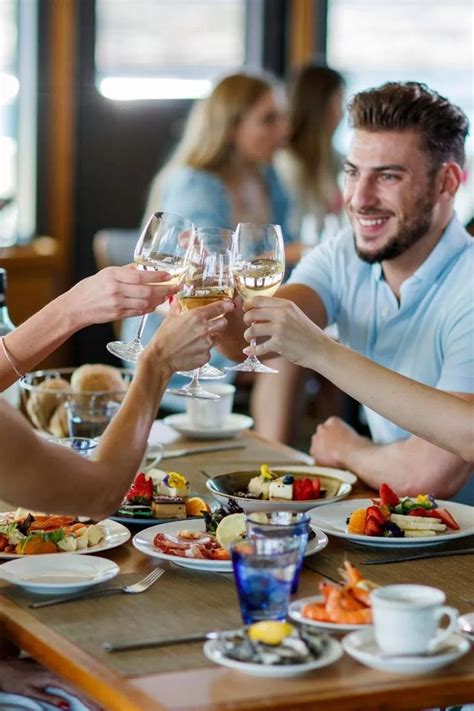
[68, 639]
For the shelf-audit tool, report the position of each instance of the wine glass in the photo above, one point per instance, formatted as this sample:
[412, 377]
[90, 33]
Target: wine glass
[224, 238]
[162, 246]
[258, 266]
[208, 278]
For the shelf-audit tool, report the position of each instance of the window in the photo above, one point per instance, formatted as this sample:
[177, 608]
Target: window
[166, 49]
[374, 41]
[18, 24]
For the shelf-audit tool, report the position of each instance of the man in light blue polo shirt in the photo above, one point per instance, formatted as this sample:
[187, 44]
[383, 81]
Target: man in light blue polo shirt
[399, 283]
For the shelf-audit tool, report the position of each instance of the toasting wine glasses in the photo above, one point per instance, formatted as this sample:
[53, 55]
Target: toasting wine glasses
[258, 266]
[207, 279]
[162, 246]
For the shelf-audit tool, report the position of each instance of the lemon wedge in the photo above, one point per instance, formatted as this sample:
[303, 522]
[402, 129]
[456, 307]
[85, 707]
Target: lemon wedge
[231, 529]
[270, 631]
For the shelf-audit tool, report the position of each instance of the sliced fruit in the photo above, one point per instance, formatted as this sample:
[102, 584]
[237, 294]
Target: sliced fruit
[357, 521]
[388, 496]
[195, 506]
[36, 545]
[444, 516]
[373, 527]
[231, 529]
[376, 513]
[270, 631]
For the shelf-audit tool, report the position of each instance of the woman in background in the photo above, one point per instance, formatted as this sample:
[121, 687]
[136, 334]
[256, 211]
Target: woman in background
[221, 174]
[310, 166]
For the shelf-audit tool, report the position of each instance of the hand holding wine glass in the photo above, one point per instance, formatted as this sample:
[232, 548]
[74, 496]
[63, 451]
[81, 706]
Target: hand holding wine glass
[208, 279]
[162, 246]
[258, 267]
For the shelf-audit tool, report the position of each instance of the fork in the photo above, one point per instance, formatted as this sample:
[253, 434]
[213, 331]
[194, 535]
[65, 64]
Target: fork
[135, 588]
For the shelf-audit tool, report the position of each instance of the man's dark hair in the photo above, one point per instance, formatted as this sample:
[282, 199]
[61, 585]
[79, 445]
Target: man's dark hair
[401, 106]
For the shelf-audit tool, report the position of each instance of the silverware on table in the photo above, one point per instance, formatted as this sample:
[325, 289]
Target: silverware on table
[164, 642]
[171, 453]
[135, 588]
[417, 556]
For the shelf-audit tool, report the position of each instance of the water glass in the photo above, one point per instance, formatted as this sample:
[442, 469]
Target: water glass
[282, 525]
[82, 445]
[264, 570]
[89, 419]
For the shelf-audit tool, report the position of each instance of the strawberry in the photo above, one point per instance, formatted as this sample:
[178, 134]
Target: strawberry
[373, 527]
[303, 489]
[316, 484]
[444, 516]
[387, 496]
[375, 513]
[141, 491]
[419, 512]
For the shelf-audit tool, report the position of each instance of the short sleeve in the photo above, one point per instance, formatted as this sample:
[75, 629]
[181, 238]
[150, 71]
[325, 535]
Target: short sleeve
[318, 270]
[457, 372]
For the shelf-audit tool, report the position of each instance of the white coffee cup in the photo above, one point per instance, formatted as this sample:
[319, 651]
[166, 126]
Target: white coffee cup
[211, 414]
[407, 617]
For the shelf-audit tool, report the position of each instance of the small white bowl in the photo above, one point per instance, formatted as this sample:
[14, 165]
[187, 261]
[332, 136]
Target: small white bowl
[58, 572]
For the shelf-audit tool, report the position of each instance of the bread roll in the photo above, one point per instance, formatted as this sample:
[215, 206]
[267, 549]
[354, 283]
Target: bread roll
[96, 378]
[58, 422]
[41, 405]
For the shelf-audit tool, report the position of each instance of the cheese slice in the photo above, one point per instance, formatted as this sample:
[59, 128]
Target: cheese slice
[417, 523]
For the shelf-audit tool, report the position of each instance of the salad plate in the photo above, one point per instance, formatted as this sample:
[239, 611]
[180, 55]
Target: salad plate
[115, 534]
[337, 483]
[332, 519]
[52, 574]
[231, 427]
[363, 647]
[331, 654]
[143, 541]
[295, 610]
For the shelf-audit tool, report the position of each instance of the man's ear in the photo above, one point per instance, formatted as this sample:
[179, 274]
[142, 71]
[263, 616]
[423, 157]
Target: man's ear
[451, 177]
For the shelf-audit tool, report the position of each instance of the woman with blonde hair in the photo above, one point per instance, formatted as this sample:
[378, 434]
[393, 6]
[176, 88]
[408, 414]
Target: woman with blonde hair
[220, 174]
[310, 166]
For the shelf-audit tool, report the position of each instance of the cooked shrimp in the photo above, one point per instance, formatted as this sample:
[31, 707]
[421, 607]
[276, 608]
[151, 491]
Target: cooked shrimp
[337, 613]
[359, 586]
[315, 611]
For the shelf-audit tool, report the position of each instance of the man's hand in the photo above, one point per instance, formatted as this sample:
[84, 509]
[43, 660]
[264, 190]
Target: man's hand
[333, 443]
[115, 293]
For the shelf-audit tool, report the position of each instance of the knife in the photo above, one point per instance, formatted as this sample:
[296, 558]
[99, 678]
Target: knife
[171, 453]
[417, 556]
[166, 641]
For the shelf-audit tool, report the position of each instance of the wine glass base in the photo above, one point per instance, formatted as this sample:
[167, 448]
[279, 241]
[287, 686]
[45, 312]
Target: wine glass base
[126, 351]
[198, 393]
[206, 372]
[251, 365]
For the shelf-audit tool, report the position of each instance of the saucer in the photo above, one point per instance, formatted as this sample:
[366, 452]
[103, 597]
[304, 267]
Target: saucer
[56, 573]
[363, 647]
[231, 426]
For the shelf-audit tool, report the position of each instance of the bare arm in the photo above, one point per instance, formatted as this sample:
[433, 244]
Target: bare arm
[233, 341]
[113, 293]
[39, 475]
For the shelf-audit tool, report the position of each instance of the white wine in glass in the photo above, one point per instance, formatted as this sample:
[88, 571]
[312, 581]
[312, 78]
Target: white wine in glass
[208, 279]
[162, 246]
[258, 267]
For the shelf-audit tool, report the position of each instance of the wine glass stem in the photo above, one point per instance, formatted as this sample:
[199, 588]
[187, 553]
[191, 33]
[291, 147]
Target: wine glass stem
[195, 381]
[141, 326]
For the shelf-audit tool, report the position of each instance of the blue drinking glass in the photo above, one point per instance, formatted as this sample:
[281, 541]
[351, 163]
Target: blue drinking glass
[264, 570]
[274, 525]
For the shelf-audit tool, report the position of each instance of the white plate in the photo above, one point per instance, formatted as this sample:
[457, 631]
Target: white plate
[331, 655]
[232, 426]
[249, 505]
[144, 522]
[294, 611]
[362, 646]
[143, 541]
[332, 520]
[51, 573]
[115, 535]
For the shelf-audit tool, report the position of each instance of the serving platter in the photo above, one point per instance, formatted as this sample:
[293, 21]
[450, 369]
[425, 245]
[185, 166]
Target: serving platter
[337, 483]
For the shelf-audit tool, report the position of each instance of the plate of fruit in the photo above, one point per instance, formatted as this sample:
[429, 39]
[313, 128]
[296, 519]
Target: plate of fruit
[204, 544]
[160, 496]
[394, 521]
[293, 487]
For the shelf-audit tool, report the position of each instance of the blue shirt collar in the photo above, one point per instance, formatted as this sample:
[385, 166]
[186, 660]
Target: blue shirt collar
[452, 241]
